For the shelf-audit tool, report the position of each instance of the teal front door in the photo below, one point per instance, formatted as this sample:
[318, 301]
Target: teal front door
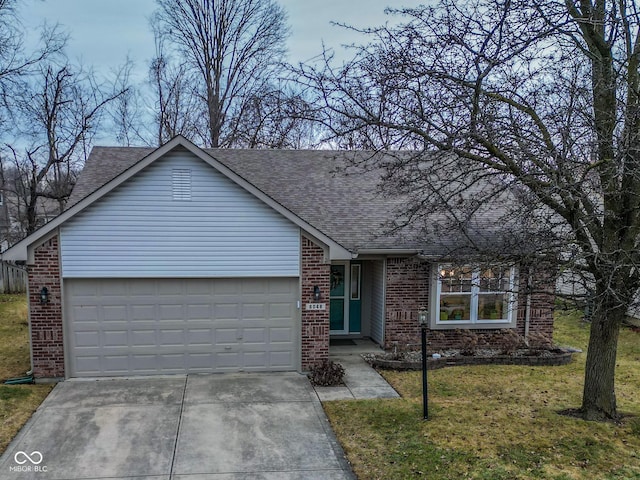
[337, 299]
[345, 304]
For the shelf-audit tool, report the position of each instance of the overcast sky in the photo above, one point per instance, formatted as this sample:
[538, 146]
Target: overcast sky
[104, 32]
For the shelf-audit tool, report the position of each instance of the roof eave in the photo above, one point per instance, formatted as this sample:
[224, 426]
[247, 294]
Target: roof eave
[388, 251]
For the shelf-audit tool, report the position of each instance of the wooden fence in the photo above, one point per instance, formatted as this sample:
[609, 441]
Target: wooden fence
[12, 279]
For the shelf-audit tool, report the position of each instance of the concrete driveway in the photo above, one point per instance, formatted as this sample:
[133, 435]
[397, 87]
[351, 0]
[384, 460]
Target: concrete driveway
[200, 427]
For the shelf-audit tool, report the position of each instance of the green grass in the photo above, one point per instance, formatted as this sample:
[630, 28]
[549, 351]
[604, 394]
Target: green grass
[17, 402]
[497, 422]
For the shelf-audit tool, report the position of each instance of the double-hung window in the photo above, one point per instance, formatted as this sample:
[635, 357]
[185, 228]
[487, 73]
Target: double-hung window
[480, 297]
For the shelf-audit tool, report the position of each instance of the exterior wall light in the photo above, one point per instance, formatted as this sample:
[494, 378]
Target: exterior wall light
[316, 293]
[44, 296]
[423, 318]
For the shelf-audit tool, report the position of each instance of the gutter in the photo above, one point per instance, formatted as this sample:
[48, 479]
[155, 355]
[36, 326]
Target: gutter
[388, 251]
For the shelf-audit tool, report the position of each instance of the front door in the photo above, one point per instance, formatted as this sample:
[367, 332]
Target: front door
[337, 297]
[344, 298]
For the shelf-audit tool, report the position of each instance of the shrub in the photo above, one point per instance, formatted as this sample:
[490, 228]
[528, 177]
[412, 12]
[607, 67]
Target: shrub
[509, 341]
[469, 341]
[327, 374]
[540, 341]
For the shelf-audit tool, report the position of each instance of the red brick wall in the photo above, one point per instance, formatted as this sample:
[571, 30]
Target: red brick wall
[408, 291]
[542, 298]
[315, 323]
[47, 347]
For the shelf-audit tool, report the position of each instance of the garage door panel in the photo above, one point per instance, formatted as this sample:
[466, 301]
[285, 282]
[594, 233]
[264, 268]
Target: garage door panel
[161, 326]
[227, 336]
[142, 312]
[200, 336]
[85, 313]
[118, 364]
[220, 289]
[226, 310]
[280, 359]
[254, 310]
[200, 311]
[281, 334]
[87, 339]
[114, 289]
[116, 339]
[144, 337]
[170, 312]
[255, 359]
[172, 338]
[227, 361]
[89, 364]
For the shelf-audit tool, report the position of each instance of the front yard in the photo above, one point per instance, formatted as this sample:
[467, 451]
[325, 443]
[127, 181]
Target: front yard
[487, 422]
[17, 402]
[496, 422]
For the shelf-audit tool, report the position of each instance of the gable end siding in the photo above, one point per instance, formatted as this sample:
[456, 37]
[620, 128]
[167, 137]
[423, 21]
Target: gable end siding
[141, 229]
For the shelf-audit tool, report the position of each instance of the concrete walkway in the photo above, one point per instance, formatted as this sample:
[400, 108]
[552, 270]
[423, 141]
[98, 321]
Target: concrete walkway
[361, 380]
[200, 427]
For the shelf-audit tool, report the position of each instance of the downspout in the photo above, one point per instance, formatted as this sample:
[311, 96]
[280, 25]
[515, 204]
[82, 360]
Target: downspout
[527, 312]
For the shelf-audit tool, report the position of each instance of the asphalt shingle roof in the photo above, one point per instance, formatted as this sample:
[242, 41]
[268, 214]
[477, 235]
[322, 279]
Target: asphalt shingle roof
[320, 186]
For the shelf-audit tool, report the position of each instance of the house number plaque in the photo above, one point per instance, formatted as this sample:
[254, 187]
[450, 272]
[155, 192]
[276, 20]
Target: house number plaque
[315, 306]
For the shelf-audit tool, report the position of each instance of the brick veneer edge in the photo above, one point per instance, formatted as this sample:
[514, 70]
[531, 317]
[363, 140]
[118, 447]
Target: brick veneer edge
[47, 345]
[315, 323]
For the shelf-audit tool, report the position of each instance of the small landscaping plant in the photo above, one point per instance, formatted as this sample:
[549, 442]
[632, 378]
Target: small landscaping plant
[469, 342]
[327, 374]
[509, 341]
[540, 341]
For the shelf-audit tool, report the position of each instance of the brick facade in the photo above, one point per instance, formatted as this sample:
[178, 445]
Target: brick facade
[47, 348]
[315, 323]
[407, 291]
[542, 300]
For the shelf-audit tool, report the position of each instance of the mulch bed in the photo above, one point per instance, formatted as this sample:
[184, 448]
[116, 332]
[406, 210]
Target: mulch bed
[413, 360]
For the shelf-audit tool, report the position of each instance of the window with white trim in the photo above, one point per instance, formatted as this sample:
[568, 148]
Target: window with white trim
[482, 297]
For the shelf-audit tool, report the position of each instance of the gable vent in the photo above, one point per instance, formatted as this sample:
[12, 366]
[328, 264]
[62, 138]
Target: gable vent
[181, 184]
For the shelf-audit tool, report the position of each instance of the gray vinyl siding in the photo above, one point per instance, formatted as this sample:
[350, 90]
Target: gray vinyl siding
[210, 228]
[573, 287]
[377, 301]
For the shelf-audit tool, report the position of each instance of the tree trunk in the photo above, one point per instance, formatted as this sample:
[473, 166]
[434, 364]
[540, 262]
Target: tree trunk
[599, 397]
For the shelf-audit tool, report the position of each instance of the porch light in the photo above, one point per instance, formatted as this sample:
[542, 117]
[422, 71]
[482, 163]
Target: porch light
[44, 295]
[316, 292]
[423, 321]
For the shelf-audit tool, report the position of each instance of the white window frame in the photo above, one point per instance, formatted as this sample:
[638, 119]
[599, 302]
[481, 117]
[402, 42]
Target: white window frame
[473, 322]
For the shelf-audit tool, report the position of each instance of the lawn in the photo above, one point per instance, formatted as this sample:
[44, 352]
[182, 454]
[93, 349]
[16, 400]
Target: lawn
[497, 422]
[17, 402]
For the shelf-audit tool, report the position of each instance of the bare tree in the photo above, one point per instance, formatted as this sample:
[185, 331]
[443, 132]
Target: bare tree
[58, 113]
[276, 117]
[543, 97]
[126, 110]
[178, 108]
[232, 48]
[15, 64]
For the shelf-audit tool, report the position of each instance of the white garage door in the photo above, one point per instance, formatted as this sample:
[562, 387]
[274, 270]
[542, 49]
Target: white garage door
[121, 327]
